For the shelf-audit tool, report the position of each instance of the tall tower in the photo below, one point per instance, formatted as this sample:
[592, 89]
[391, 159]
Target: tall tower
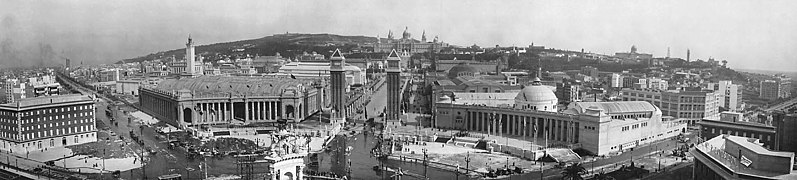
[393, 86]
[190, 57]
[423, 36]
[338, 83]
[688, 53]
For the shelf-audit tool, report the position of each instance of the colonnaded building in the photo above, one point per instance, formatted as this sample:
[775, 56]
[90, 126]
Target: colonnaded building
[222, 100]
[44, 122]
[599, 127]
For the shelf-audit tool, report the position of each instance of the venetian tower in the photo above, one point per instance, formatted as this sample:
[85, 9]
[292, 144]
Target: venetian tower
[338, 83]
[393, 86]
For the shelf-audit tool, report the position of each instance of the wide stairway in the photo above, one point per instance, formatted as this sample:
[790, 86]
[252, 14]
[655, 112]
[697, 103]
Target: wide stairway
[563, 155]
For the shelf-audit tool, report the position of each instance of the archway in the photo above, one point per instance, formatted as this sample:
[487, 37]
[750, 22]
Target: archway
[289, 110]
[187, 115]
[288, 176]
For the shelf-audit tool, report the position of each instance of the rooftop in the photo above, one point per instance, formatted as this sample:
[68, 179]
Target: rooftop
[222, 85]
[47, 100]
[616, 106]
[737, 124]
[489, 99]
[716, 151]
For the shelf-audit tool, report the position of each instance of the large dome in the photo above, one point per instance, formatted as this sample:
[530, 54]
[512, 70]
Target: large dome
[536, 93]
[536, 97]
[462, 69]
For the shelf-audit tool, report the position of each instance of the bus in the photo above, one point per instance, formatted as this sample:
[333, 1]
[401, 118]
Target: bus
[171, 177]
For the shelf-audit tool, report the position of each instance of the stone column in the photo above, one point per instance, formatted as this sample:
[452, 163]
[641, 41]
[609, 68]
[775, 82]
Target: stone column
[268, 110]
[180, 114]
[467, 121]
[521, 125]
[232, 111]
[509, 124]
[525, 126]
[256, 110]
[217, 108]
[247, 109]
[264, 108]
[273, 110]
[224, 111]
[282, 110]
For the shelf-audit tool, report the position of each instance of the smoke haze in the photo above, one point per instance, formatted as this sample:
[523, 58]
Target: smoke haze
[749, 34]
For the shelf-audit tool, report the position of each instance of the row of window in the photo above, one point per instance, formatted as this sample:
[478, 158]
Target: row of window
[634, 126]
[740, 133]
[649, 138]
[57, 117]
[48, 110]
[58, 132]
[52, 141]
[632, 116]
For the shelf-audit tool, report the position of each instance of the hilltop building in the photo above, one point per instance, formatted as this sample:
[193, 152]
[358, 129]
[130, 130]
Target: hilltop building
[408, 44]
[633, 56]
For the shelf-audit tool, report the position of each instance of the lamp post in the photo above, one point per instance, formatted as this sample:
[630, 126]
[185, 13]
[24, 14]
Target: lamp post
[467, 163]
[425, 163]
[542, 171]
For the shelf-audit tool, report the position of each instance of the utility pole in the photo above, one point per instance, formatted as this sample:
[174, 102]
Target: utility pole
[425, 163]
[542, 171]
[467, 163]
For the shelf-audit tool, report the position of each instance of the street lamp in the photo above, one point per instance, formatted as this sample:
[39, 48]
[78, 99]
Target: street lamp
[467, 163]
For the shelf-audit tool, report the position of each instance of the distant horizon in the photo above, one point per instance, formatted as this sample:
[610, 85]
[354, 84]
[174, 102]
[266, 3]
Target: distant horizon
[762, 70]
[750, 34]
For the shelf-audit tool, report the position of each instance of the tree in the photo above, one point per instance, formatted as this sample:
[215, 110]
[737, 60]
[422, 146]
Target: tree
[574, 172]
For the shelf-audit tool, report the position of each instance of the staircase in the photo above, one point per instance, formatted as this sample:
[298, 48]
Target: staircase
[563, 155]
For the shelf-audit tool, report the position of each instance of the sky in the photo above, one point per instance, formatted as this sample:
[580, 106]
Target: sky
[749, 34]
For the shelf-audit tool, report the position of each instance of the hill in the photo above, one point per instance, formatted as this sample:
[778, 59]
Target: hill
[286, 44]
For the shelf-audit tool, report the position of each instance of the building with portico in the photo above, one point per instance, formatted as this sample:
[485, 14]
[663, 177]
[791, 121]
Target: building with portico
[221, 100]
[599, 127]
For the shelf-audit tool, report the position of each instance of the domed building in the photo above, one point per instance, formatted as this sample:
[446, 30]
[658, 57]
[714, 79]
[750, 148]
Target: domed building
[463, 70]
[407, 43]
[536, 97]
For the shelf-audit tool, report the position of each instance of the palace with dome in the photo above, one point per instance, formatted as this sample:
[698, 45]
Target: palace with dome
[469, 100]
[408, 44]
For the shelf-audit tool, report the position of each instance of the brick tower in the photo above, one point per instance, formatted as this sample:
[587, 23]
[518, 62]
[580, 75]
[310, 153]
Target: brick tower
[338, 83]
[393, 87]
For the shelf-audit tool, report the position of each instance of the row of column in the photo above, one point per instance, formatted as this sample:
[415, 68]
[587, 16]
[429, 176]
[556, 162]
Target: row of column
[262, 110]
[213, 112]
[523, 125]
[161, 107]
